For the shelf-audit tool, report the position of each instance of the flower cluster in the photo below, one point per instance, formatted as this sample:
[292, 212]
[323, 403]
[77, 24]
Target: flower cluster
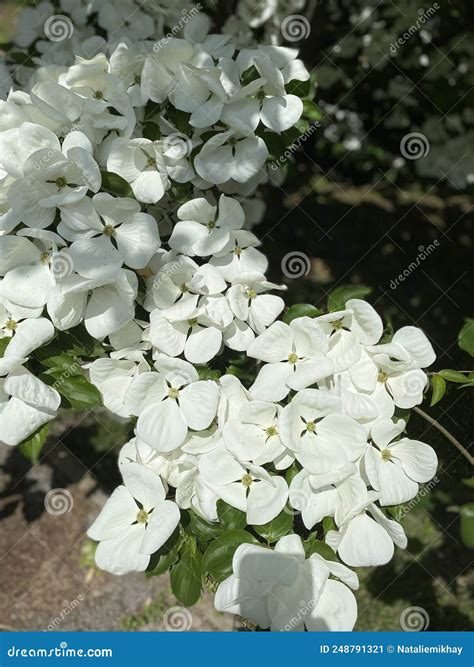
[128, 189]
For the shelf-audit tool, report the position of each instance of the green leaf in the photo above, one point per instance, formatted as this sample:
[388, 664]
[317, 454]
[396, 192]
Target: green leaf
[166, 556]
[469, 482]
[79, 393]
[3, 345]
[315, 546]
[279, 526]
[328, 524]
[199, 527]
[438, 385]
[466, 337]
[467, 525]
[151, 131]
[311, 110]
[452, 376]
[217, 561]
[62, 362]
[230, 517]
[396, 511]
[338, 297]
[299, 88]
[206, 373]
[115, 185]
[32, 446]
[186, 575]
[300, 310]
[292, 471]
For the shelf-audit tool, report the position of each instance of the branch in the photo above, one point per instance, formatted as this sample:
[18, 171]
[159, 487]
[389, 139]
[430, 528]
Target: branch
[446, 434]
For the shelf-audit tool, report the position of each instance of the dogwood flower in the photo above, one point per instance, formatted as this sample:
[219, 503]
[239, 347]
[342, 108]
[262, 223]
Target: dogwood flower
[295, 356]
[247, 487]
[394, 467]
[366, 536]
[254, 436]
[322, 438]
[26, 403]
[141, 163]
[240, 256]
[281, 590]
[203, 229]
[134, 523]
[170, 402]
[49, 175]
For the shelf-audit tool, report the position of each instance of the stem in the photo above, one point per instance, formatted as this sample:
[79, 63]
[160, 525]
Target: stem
[446, 434]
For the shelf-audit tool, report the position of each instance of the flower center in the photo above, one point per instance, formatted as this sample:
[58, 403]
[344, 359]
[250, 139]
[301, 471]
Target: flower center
[386, 454]
[142, 516]
[237, 250]
[251, 293]
[336, 324]
[271, 431]
[293, 358]
[382, 377]
[260, 95]
[211, 224]
[311, 427]
[98, 95]
[137, 79]
[151, 162]
[44, 257]
[192, 322]
[183, 288]
[173, 392]
[10, 325]
[109, 230]
[61, 182]
[247, 480]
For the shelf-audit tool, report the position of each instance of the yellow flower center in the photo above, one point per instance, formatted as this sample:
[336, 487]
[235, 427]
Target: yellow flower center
[337, 324]
[173, 393]
[109, 230]
[311, 427]
[382, 377]
[293, 358]
[247, 480]
[211, 224]
[271, 431]
[142, 516]
[251, 293]
[192, 322]
[151, 162]
[61, 182]
[386, 454]
[11, 325]
[44, 257]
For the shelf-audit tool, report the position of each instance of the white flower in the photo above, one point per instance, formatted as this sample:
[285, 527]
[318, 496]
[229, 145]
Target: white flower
[49, 174]
[170, 402]
[203, 230]
[327, 494]
[364, 540]
[394, 467]
[296, 358]
[112, 377]
[141, 163]
[322, 438]
[181, 277]
[191, 327]
[254, 311]
[105, 306]
[26, 404]
[96, 224]
[254, 436]
[230, 156]
[247, 487]
[161, 67]
[240, 256]
[134, 523]
[281, 590]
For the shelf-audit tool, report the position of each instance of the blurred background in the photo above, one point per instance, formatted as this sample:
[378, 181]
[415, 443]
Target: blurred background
[378, 193]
